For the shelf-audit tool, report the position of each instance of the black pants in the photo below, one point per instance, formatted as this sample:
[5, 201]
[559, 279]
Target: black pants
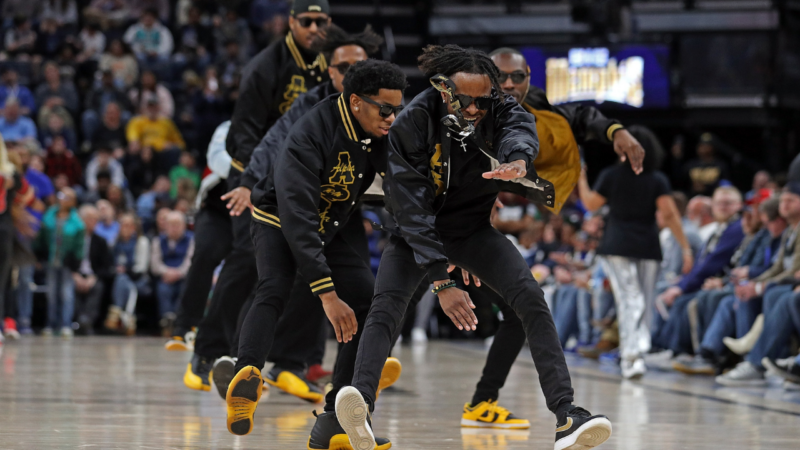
[235, 283]
[278, 276]
[6, 253]
[213, 238]
[87, 304]
[492, 258]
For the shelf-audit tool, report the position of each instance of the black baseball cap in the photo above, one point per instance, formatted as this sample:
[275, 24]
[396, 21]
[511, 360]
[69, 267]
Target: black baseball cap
[304, 6]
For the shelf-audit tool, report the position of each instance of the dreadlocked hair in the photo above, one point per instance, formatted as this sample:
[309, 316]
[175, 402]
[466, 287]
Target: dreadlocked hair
[451, 59]
[336, 37]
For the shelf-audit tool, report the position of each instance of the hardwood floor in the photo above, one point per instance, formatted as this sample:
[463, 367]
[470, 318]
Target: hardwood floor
[127, 393]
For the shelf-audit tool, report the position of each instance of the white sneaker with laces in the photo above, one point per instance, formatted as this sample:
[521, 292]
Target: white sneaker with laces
[633, 369]
[743, 375]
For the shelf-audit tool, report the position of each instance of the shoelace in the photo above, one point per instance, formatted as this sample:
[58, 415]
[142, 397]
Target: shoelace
[499, 410]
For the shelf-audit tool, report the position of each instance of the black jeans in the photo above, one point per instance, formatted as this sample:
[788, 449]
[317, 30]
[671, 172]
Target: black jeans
[278, 275]
[492, 258]
[213, 236]
[236, 281]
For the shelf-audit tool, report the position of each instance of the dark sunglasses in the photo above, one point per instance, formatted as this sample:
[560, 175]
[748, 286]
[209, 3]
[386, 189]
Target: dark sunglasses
[517, 77]
[385, 110]
[306, 22]
[482, 103]
[342, 67]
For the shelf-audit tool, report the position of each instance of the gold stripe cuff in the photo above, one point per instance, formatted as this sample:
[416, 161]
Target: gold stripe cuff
[610, 131]
[237, 165]
[324, 286]
[324, 280]
[266, 214]
[267, 221]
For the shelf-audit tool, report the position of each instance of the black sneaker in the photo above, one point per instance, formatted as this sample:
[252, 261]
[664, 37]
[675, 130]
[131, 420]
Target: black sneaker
[223, 373]
[327, 434]
[578, 429]
[198, 372]
[787, 368]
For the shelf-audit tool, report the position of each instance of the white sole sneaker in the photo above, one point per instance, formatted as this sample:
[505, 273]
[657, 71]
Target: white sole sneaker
[589, 435]
[351, 410]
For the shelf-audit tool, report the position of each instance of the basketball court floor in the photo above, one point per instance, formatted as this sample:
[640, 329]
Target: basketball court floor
[117, 393]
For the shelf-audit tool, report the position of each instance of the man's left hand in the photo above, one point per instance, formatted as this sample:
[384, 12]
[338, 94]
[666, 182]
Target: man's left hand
[508, 171]
[627, 147]
[746, 292]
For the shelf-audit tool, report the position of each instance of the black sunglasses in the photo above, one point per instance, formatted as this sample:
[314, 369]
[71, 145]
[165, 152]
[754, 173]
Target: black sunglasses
[385, 110]
[306, 22]
[517, 77]
[482, 103]
[342, 67]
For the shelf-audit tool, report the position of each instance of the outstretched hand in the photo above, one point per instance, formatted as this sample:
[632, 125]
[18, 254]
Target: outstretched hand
[508, 171]
[239, 200]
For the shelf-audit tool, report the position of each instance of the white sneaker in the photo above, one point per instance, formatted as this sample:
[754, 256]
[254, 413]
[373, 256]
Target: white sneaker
[418, 336]
[633, 369]
[353, 415]
[743, 375]
[744, 344]
[660, 360]
[67, 333]
[47, 332]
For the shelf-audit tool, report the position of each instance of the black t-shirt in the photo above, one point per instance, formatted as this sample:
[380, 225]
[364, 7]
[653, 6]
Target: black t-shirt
[631, 229]
[108, 138]
[704, 177]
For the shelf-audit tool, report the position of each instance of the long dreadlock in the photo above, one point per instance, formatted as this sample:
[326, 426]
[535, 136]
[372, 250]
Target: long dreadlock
[336, 37]
[451, 59]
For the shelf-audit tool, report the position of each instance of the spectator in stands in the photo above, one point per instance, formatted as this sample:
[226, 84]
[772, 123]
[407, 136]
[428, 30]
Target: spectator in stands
[63, 12]
[61, 161]
[92, 43]
[54, 93]
[158, 133]
[108, 13]
[672, 263]
[712, 261]
[107, 226]
[229, 64]
[13, 125]
[171, 255]
[159, 9]
[195, 41]
[56, 127]
[706, 171]
[94, 267]
[119, 60]
[232, 28]
[699, 212]
[121, 198]
[719, 313]
[150, 40]
[147, 203]
[14, 8]
[60, 241]
[109, 103]
[49, 40]
[12, 89]
[761, 180]
[132, 259]
[20, 40]
[270, 18]
[185, 171]
[149, 88]
[104, 162]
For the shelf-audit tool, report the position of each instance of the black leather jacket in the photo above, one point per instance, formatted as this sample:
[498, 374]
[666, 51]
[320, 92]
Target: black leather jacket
[271, 82]
[325, 165]
[434, 184]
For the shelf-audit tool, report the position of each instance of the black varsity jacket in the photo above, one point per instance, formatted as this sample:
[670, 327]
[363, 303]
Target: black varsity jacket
[271, 82]
[327, 162]
[434, 184]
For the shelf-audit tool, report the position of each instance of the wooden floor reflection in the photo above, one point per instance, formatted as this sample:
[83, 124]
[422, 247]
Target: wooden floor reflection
[117, 393]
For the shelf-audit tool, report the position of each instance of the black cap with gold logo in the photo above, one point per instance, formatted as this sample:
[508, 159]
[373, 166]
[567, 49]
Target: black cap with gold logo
[304, 6]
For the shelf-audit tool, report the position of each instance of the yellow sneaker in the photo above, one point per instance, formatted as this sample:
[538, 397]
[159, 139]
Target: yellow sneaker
[389, 375]
[198, 374]
[491, 415]
[242, 399]
[293, 384]
[177, 344]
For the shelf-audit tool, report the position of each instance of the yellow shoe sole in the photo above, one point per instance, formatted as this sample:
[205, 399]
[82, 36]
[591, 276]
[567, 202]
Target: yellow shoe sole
[466, 423]
[192, 381]
[291, 384]
[342, 442]
[389, 375]
[242, 400]
[176, 346]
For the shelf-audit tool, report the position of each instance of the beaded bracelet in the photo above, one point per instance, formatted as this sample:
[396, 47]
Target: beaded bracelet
[443, 286]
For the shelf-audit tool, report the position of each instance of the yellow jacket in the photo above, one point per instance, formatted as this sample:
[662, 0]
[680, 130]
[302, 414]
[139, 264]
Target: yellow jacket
[158, 134]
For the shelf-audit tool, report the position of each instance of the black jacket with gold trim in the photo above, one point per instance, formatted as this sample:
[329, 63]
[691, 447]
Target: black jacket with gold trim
[271, 81]
[327, 162]
[562, 129]
[434, 184]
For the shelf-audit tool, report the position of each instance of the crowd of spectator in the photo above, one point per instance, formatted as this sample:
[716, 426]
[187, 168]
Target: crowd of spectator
[106, 109]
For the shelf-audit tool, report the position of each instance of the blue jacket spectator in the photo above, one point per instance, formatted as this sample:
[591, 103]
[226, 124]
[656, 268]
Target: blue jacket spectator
[12, 89]
[13, 125]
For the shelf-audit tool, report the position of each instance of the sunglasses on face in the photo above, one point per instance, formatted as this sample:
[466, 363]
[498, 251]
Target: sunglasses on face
[482, 103]
[517, 77]
[342, 67]
[306, 22]
[385, 110]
